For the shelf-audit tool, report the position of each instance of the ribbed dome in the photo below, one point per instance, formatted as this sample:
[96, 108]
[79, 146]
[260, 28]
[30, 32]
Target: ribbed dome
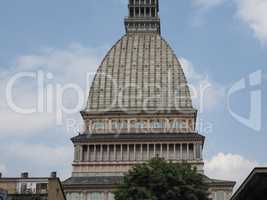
[140, 73]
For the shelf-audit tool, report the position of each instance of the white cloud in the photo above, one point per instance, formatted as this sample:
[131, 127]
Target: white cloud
[2, 169]
[229, 167]
[32, 152]
[40, 157]
[206, 93]
[18, 124]
[67, 66]
[253, 13]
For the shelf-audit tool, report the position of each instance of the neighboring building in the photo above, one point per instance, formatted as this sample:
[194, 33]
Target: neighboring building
[31, 188]
[254, 187]
[139, 106]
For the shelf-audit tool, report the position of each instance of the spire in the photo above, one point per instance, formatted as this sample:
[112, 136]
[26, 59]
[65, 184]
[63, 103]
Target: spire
[143, 16]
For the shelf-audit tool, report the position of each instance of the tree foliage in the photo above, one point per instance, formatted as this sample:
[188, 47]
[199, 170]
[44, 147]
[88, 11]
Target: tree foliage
[161, 180]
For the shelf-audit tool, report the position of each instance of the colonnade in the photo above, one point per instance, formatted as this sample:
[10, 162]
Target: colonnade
[137, 152]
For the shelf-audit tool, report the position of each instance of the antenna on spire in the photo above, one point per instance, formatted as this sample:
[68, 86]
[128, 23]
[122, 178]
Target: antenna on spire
[143, 16]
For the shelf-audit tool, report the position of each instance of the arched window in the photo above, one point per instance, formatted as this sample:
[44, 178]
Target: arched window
[137, 124]
[142, 12]
[153, 13]
[131, 12]
[177, 124]
[157, 125]
[119, 125]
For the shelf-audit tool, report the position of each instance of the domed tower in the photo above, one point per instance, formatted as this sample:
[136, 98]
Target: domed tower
[139, 107]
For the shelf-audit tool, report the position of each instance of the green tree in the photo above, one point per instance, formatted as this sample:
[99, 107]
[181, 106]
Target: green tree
[161, 180]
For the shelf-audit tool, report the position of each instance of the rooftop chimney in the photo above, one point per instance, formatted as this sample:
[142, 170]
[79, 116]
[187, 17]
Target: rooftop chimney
[25, 175]
[53, 175]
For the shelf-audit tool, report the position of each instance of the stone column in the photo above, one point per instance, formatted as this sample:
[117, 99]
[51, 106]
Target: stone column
[101, 153]
[95, 159]
[147, 148]
[168, 151]
[181, 151]
[154, 150]
[161, 152]
[108, 152]
[187, 151]
[75, 153]
[128, 152]
[115, 152]
[88, 153]
[81, 153]
[121, 152]
[134, 152]
[195, 152]
[141, 151]
[174, 149]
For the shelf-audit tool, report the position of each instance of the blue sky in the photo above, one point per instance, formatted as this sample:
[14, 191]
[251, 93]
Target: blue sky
[219, 42]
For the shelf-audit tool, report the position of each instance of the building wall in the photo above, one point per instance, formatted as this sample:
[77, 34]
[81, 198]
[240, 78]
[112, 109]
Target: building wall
[217, 193]
[55, 191]
[9, 186]
[221, 193]
[91, 195]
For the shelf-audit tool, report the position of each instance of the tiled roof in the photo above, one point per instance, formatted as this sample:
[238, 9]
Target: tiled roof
[216, 182]
[140, 73]
[103, 180]
[115, 180]
[138, 137]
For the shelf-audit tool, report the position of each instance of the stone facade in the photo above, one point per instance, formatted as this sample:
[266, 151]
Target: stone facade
[139, 107]
[32, 188]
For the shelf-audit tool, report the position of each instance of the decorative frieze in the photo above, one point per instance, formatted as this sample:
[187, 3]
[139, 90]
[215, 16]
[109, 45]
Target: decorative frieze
[140, 125]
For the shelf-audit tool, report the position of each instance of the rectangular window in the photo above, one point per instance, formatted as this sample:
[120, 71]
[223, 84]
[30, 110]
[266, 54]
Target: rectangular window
[95, 196]
[220, 195]
[41, 188]
[99, 125]
[198, 151]
[74, 196]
